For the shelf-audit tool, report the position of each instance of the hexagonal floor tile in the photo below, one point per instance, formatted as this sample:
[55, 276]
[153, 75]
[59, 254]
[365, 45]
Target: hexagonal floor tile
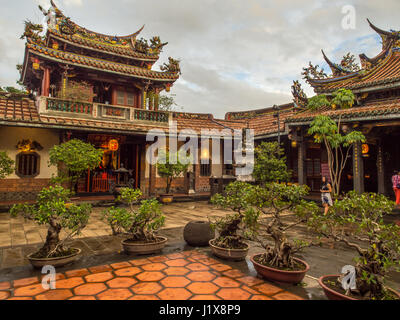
[115, 294]
[121, 282]
[174, 294]
[144, 297]
[158, 259]
[154, 266]
[197, 267]
[98, 269]
[77, 273]
[126, 272]
[233, 294]
[225, 282]
[175, 282]
[176, 271]
[286, 296]
[260, 297]
[201, 276]
[150, 276]
[25, 282]
[233, 273]
[5, 285]
[177, 263]
[69, 283]
[220, 267]
[139, 262]
[267, 289]
[146, 288]
[120, 265]
[29, 291]
[175, 255]
[205, 297]
[4, 295]
[58, 294]
[250, 281]
[82, 298]
[99, 277]
[202, 287]
[89, 289]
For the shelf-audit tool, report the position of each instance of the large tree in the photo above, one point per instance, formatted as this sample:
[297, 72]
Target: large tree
[270, 163]
[77, 157]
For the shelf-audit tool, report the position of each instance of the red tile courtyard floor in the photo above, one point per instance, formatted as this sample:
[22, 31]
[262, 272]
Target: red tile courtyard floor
[189, 275]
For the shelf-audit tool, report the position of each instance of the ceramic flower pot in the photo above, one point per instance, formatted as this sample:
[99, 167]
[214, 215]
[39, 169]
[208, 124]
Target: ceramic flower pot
[229, 254]
[55, 262]
[166, 198]
[280, 275]
[140, 248]
[334, 295]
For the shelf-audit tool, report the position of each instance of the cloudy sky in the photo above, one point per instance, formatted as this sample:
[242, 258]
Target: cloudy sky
[236, 54]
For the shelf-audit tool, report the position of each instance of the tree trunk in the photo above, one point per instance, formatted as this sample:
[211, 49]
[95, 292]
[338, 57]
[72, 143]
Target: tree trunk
[52, 239]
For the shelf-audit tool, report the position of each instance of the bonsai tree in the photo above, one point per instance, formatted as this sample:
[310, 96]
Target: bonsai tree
[272, 200]
[234, 228]
[338, 146]
[270, 163]
[6, 165]
[169, 169]
[357, 222]
[140, 223]
[77, 157]
[53, 209]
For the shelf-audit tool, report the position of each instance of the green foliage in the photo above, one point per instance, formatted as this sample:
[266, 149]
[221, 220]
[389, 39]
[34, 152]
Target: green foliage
[270, 163]
[77, 157]
[6, 165]
[338, 145]
[234, 228]
[318, 102]
[343, 98]
[357, 221]
[171, 166]
[140, 223]
[53, 209]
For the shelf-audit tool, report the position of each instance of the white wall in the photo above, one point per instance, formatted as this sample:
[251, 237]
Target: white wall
[10, 136]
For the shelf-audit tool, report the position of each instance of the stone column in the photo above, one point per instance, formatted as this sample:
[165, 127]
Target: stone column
[380, 169]
[358, 168]
[301, 165]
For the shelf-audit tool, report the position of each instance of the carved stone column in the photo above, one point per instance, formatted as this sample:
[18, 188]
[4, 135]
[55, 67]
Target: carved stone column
[358, 168]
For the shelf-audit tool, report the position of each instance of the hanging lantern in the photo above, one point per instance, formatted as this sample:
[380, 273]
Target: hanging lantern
[168, 87]
[113, 145]
[36, 64]
[55, 45]
[149, 65]
[294, 144]
[365, 150]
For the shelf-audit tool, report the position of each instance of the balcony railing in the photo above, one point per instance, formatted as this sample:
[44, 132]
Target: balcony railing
[102, 111]
[55, 104]
[147, 115]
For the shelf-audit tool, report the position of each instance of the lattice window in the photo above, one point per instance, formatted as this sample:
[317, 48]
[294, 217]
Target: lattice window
[205, 169]
[28, 165]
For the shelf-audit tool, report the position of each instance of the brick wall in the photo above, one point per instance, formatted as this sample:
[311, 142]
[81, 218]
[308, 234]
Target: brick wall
[21, 189]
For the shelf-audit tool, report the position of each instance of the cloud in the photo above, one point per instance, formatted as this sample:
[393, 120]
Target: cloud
[236, 54]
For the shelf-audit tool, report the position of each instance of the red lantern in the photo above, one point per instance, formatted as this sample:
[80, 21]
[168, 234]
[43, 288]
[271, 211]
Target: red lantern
[36, 64]
[168, 87]
[113, 145]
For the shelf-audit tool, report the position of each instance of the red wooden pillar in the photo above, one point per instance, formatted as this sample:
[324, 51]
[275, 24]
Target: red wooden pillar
[113, 95]
[46, 82]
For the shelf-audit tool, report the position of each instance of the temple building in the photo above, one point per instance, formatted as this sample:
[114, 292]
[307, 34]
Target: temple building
[104, 90]
[98, 88]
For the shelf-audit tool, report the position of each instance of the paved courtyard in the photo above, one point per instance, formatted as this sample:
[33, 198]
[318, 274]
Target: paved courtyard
[17, 231]
[189, 275]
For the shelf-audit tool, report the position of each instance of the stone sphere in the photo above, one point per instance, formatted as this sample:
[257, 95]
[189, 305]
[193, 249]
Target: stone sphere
[198, 233]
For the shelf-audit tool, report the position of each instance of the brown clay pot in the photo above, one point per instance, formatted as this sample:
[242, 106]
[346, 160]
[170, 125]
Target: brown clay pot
[55, 262]
[131, 247]
[229, 254]
[198, 233]
[166, 198]
[334, 295]
[280, 275]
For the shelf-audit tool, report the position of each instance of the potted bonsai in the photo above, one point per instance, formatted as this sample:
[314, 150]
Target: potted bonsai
[139, 224]
[357, 222]
[52, 209]
[278, 262]
[234, 229]
[170, 167]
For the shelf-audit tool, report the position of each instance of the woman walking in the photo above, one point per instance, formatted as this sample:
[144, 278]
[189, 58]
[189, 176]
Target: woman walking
[396, 186]
[326, 197]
